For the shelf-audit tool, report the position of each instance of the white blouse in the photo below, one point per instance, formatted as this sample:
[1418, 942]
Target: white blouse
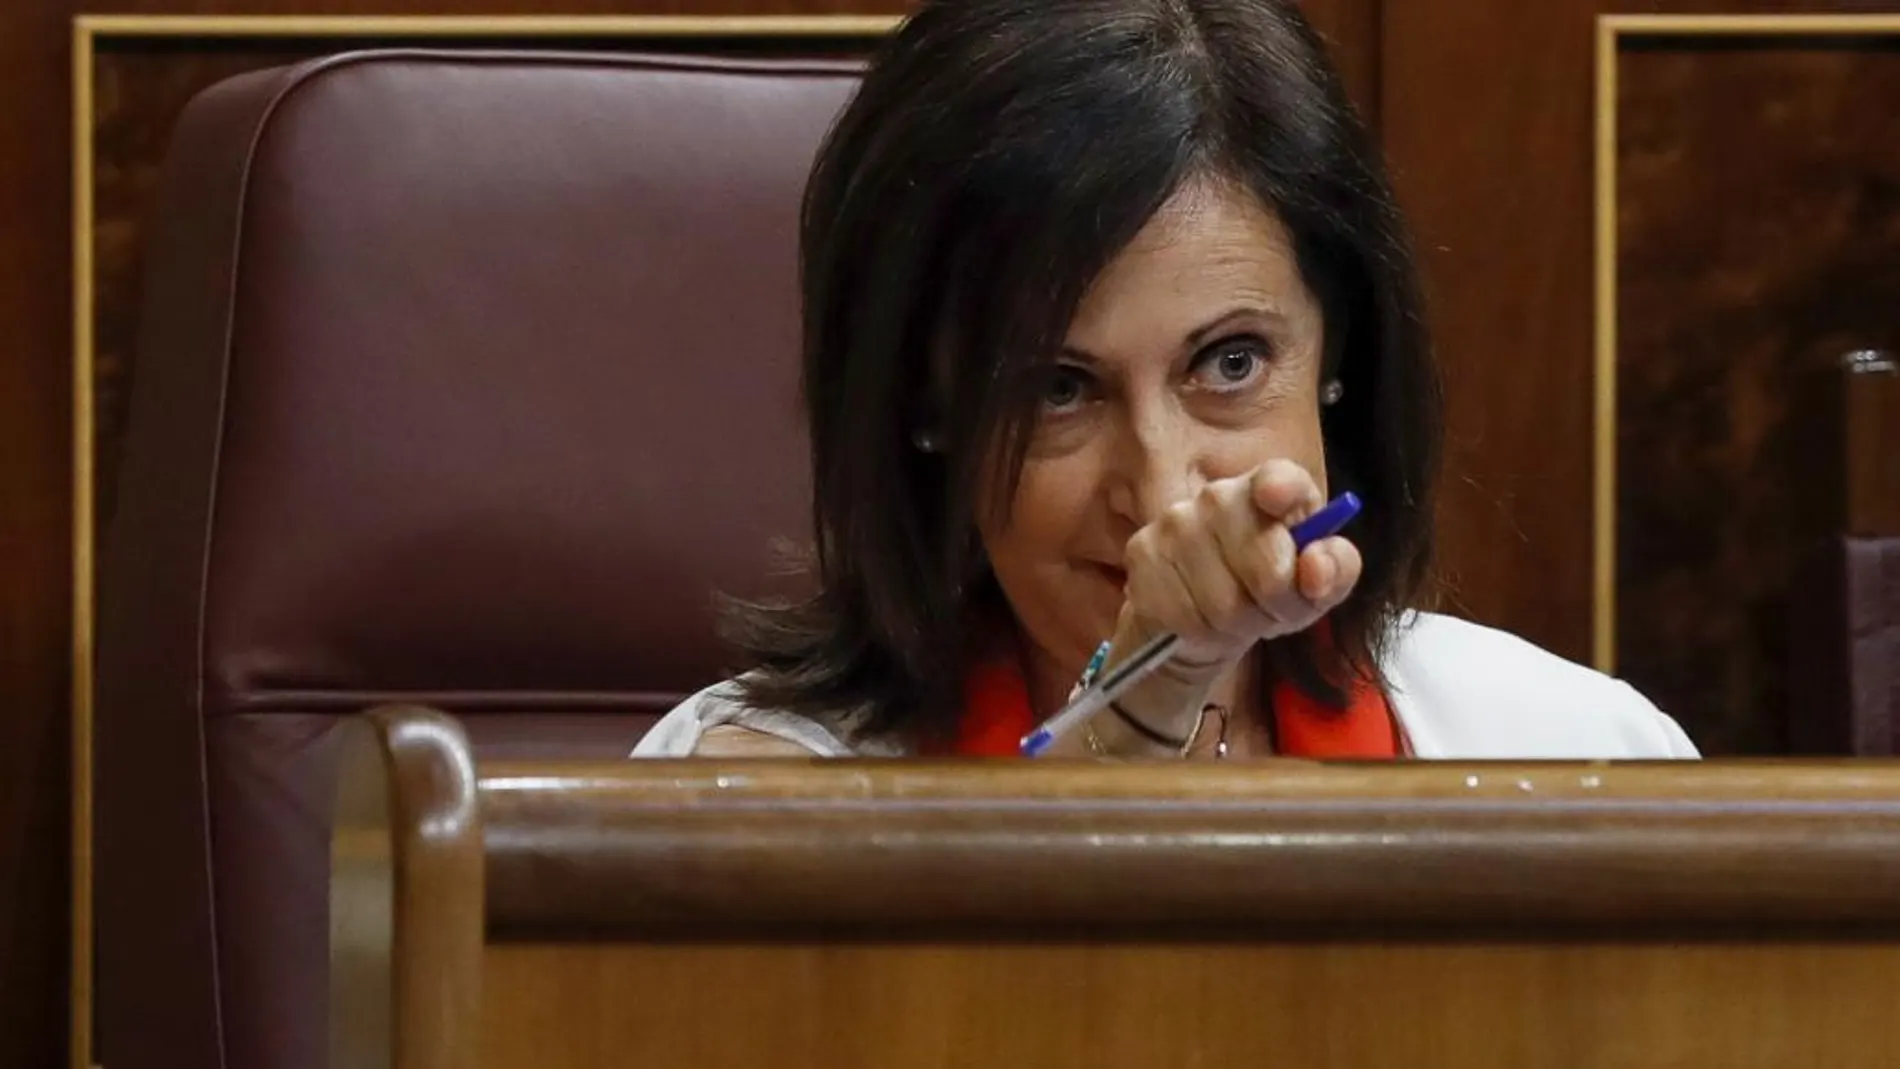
[1458, 691]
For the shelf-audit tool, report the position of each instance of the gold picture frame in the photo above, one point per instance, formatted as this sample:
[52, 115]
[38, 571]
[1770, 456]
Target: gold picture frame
[91, 33]
[1613, 32]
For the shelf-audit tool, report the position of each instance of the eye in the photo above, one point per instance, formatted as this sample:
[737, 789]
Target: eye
[1065, 390]
[1231, 364]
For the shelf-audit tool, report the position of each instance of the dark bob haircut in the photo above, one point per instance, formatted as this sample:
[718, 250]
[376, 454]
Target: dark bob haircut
[998, 157]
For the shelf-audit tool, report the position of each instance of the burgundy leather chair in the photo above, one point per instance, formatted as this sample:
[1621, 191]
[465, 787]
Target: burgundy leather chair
[1845, 607]
[1873, 643]
[1845, 648]
[464, 378]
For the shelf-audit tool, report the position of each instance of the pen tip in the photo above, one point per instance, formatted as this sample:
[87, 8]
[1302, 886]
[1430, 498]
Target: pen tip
[1035, 743]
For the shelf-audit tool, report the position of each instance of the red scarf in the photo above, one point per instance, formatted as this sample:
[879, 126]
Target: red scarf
[997, 715]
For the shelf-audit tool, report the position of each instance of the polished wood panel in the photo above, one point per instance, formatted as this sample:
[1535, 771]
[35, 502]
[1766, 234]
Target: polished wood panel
[1486, 121]
[1740, 290]
[1225, 1002]
[1054, 914]
[1487, 118]
[1352, 29]
[405, 895]
[654, 846]
[35, 533]
[1871, 446]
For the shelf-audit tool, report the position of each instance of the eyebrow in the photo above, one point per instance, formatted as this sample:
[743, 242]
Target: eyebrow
[1200, 335]
[1212, 329]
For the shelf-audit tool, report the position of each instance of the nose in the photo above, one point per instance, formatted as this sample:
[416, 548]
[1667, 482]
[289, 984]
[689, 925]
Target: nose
[1157, 463]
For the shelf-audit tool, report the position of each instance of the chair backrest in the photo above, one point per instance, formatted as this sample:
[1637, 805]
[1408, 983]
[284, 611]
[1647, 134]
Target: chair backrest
[465, 378]
[1844, 613]
[1872, 626]
[1871, 418]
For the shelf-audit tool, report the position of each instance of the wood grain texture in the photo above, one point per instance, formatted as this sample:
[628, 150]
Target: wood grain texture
[1872, 443]
[1352, 31]
[716, 848]
[1231, 1002]
[35, 509]
[826, 913]
[1487, 124]
[1487, 118]
[406, 890]
[1740, 289]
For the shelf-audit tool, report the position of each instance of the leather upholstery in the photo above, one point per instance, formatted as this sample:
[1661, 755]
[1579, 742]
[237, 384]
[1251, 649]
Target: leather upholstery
[1845, 643]
[1873, 644]
[464, 379]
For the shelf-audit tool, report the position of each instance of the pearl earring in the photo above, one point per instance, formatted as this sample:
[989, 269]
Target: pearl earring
[926, 442]
[1330, 393]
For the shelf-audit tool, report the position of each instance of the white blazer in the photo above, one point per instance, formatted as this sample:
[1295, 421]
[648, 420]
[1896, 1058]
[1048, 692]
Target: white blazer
[1458, 691]
[1462, 691]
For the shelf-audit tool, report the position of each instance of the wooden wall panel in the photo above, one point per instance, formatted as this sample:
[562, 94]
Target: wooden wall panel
[34, 532]
[1740, 288]
[1488, 119]
[1352, 29]
[1487, 124]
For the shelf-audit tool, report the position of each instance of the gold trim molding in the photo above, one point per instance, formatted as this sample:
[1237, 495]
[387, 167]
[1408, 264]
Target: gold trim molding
[1612, 32]
[89, 33]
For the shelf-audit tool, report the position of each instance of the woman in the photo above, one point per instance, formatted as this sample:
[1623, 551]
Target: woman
[1100, 297]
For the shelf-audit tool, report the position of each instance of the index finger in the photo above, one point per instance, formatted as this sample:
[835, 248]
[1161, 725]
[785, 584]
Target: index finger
[1285, 491]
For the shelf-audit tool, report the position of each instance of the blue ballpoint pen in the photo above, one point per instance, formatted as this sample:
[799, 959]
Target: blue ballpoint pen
[1322, 524]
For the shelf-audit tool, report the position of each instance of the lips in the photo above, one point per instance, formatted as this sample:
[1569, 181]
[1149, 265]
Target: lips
[1115, 575]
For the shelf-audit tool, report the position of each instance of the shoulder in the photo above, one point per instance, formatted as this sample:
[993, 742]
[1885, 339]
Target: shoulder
[1461, 690]
[723, 705]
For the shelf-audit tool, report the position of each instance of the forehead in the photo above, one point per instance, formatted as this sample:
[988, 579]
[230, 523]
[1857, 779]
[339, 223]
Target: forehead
[1210, 249]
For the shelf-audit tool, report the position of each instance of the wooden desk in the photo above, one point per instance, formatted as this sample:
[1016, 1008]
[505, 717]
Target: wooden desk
[1002, 914]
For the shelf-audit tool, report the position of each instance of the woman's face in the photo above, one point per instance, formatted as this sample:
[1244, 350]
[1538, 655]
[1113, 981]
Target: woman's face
[1195, 356]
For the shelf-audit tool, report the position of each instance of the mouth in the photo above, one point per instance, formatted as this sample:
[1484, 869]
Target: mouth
[1117, 577]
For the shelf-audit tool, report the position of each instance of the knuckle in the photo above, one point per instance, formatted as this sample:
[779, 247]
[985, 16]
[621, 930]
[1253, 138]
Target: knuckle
[1264, 585]
[1229, 609]
[1140, 547]
[1282, 472]
[1267, 574]
[1177, 519]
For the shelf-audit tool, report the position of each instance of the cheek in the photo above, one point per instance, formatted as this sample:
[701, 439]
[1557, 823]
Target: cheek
[1283, 435]
[1050, 507]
